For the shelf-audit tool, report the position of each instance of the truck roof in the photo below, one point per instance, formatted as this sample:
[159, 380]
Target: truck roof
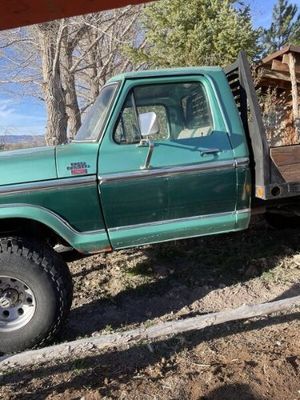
[164, 72]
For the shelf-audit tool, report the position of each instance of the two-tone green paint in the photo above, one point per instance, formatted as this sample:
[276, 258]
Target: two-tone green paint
[202, 225]
[157, 199]
[72, 153]
[27, 165]
[131, 211]
[72, 211]
[78, 205]
[85, 242]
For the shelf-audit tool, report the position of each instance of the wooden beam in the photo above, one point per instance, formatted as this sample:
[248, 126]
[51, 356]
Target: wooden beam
[292, 68]
[16, 13]
[286, 58]
[294, 49]
[276, 75]
[282, 67]
[282, 52]
[271, 83]
[80, 347]
[276, 54]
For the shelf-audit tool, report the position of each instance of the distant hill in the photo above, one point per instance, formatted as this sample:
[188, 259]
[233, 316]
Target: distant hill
[22, 139]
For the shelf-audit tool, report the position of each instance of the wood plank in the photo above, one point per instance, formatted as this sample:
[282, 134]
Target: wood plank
[285, 155]
[276, 54]
[282, 52]
[276, 75]
[25, 12]
[272, 83]
[287, 160]
[285, 59]
[294, 48]
[290, 173]
[281, 67]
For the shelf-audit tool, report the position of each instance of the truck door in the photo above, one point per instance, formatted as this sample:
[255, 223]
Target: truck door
[189, 187]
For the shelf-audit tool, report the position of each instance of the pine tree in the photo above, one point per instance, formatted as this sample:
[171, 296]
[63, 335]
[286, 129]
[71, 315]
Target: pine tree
[284, 29]
[195, 32]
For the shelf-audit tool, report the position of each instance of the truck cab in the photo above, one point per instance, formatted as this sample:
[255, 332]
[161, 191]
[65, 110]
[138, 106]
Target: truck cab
[185, 175]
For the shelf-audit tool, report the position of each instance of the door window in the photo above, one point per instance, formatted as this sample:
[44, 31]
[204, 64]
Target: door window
[182, 111]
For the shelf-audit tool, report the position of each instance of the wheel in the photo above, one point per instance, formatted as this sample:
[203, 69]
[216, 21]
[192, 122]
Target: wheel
[35, 293]
[280, 221]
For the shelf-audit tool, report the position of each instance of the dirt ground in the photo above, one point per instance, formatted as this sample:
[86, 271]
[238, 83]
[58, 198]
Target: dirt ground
[257, 359]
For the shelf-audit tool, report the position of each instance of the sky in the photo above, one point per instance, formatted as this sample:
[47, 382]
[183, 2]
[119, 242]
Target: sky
[262, 11]
[27, 116]
[21, 116]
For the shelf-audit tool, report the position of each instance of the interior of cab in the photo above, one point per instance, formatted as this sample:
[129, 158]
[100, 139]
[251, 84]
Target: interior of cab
[182, 110]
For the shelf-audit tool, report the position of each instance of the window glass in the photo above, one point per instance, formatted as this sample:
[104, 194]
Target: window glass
[127, 130]
[182, 111]
[197, 114]
[94, 121]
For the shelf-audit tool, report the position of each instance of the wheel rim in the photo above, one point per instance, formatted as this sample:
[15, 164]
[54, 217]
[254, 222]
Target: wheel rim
[17, 304]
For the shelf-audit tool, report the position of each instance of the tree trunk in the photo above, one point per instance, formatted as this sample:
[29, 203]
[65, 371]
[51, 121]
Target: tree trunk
[72, 107]
[56, 129]
[93, 70]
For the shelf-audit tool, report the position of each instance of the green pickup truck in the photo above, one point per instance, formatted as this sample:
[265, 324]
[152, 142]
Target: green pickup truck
[163, 155]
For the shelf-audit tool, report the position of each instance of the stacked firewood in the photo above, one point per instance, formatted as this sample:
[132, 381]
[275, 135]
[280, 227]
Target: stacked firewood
[277, 79]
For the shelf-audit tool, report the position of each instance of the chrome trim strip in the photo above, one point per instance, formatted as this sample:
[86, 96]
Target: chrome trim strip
[47, 185]
[54, 215]
[187, 219]
[243, 211]
[168, 171]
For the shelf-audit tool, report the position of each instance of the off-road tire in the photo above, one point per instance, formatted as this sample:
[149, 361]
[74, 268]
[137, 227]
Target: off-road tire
[47, 275]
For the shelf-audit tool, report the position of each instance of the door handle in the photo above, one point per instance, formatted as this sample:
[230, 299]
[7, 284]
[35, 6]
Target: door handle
[206, 152]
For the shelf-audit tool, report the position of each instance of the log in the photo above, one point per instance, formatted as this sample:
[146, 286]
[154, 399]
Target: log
[275, 76]
[281, 67]
[292, 68]
[163, 329]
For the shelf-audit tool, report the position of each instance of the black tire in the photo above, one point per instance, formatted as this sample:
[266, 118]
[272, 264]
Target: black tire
[280, 221]
[45, 273]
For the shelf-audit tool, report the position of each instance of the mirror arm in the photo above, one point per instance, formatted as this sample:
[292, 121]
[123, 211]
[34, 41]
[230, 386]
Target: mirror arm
[143, 143]
[149, 156]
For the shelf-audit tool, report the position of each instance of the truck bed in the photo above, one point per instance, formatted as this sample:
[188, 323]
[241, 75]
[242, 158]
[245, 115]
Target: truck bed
[276, 170]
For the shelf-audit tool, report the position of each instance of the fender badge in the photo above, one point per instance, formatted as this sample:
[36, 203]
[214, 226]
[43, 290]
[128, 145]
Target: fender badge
[78, 168]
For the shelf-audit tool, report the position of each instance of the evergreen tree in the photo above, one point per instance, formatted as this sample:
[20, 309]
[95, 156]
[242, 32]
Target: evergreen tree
[284, 29]
[195, 32]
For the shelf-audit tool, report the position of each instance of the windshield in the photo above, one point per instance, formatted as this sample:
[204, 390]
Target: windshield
[94, 121]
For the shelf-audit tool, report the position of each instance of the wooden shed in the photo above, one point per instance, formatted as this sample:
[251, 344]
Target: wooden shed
[277, 79]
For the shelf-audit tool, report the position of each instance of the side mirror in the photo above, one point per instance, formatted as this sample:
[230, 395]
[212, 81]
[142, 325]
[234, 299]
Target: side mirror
[148, 124]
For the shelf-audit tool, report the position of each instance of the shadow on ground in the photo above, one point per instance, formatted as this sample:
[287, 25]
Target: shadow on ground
[182, 273]
[119, 367]
[232, 392]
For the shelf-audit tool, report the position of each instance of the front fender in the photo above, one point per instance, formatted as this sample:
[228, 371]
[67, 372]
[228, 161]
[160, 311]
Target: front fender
[84, 242]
